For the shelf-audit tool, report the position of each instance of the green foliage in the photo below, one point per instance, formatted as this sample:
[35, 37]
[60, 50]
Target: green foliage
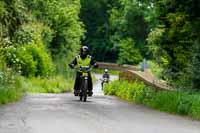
[176, 102]
[156, 69]
[23, 61]
[114, 21]
[12, 15]
[62, 16]
[44, 64]
[11, 88]
[171, 43]
[30, 59]
[154, 39]
[33, 32]
[128, 53]
[196, 65]
[125, 90]
[28, 51]
[97, 36]
[57, 84]
[195, 109]
[66, 30]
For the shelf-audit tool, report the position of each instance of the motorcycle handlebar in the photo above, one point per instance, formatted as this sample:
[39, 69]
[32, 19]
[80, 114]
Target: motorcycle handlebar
[83, 68]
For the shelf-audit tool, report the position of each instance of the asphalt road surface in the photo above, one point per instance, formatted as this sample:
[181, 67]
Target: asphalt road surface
[64, 113]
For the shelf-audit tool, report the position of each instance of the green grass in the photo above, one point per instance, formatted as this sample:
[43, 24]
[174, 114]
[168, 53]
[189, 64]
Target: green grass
[176, 102]
[56, 84]
[8, 95]
[11, 92]
[15, 86]
[101, 71]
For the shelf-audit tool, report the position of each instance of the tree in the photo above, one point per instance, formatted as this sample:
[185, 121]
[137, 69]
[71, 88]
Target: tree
[62, 17]
[179, 20]
[95, 16]
[128, 53]
[196, 65]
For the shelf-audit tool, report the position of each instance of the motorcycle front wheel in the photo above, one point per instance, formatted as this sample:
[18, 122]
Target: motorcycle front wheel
[85, 91]
[81, 97]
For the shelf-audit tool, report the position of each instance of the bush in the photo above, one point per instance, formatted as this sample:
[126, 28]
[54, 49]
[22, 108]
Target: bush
[24, 62]
[44, 65]
[176, 102]
[30, 60]
[27, 52]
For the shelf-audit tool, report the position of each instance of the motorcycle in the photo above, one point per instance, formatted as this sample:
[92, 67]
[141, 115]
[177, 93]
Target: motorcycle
[84, 81]
[104, 81]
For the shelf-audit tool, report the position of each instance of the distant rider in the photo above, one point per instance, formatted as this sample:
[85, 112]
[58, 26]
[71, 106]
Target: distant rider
[106, 77]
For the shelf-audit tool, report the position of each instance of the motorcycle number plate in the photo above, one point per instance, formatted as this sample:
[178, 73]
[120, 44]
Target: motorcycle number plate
[85, 74]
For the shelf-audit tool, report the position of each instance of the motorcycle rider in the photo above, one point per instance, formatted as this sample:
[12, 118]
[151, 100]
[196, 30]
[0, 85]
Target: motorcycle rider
[105, 77]
[83, 59]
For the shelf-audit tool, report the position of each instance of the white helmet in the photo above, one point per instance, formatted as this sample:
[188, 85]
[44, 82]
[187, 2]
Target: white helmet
[106, 70]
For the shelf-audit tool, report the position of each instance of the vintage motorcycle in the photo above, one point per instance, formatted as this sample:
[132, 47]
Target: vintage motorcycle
[104, 81]
[84, 70]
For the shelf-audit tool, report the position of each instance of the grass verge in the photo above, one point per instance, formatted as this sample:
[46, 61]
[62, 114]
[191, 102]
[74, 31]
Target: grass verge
[176, 102]
[13, 88]
[11, 92]
[57, 84]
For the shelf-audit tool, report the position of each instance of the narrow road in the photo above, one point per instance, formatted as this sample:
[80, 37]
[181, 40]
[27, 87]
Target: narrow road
[63, 113]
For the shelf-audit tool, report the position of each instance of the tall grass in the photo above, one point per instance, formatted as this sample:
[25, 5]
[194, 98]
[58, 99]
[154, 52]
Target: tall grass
[176, 102]
[10, 86]
[57, 84]
[60, 81]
